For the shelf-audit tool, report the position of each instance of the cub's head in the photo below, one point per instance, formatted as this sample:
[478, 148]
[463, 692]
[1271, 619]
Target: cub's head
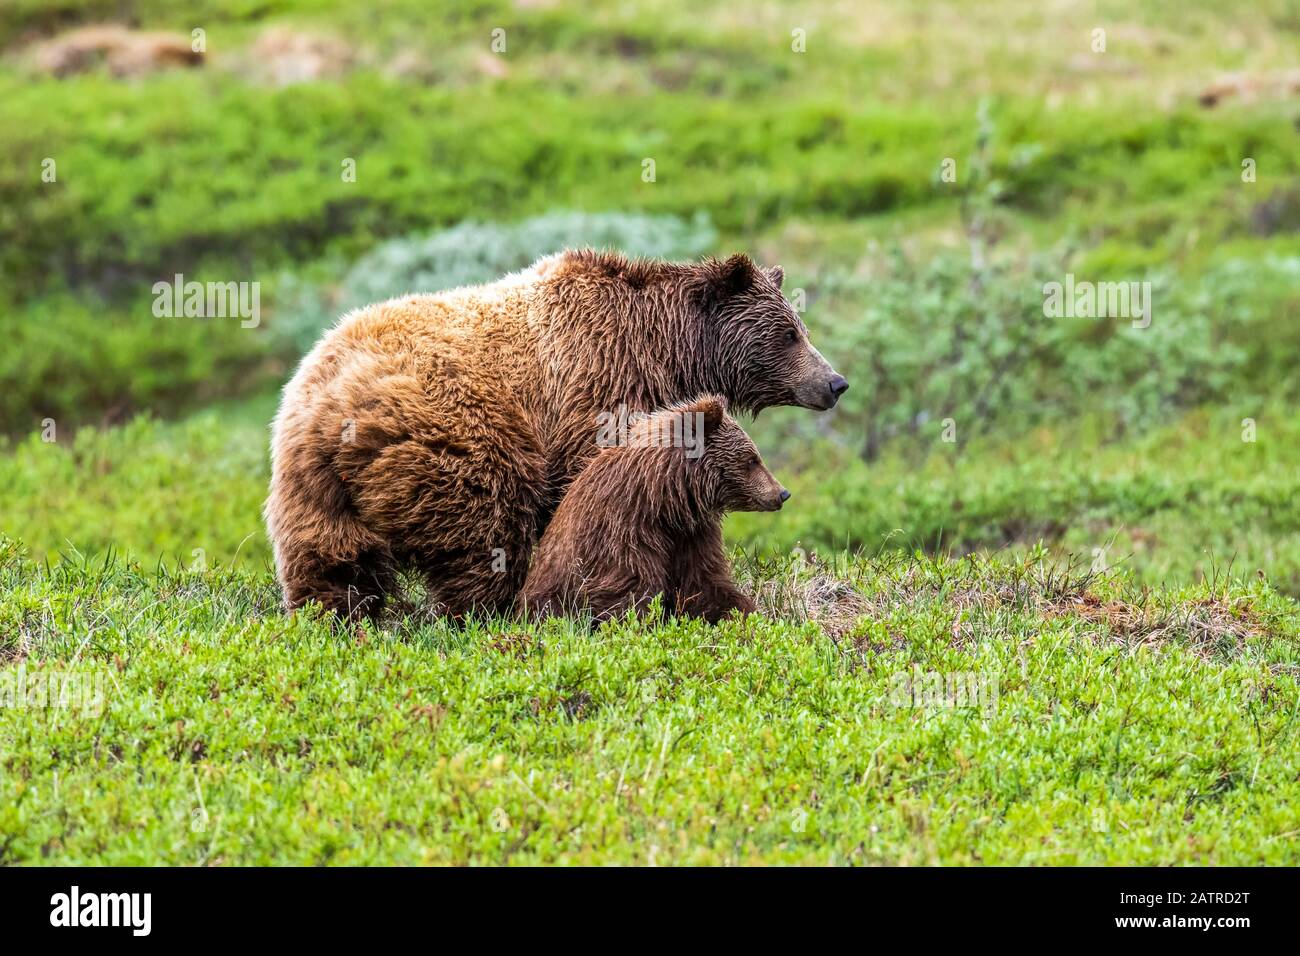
[723, 469]
[764, 357]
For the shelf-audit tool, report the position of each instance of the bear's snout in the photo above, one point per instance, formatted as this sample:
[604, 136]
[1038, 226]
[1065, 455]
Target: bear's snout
[775, 499]
[819, 385]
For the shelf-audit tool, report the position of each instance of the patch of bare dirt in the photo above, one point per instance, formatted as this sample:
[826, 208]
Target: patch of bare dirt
[124, 51]
[1250, 88]
[282, 56]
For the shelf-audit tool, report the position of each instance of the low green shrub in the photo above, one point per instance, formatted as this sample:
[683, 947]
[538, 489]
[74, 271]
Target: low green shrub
[939, 350]
[78, 359]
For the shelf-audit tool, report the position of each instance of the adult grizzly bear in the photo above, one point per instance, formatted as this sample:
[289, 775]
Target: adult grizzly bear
[645, 518]
[440, 431]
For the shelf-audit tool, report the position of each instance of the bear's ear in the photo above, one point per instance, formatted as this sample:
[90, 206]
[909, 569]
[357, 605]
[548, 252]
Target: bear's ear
[733, 275]
[777, 275]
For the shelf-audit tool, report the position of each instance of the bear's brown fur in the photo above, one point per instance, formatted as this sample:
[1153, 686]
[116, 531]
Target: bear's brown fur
[645, 519]
[440, 431]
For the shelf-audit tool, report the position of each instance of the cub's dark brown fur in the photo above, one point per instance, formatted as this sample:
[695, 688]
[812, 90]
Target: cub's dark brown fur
[645, 518]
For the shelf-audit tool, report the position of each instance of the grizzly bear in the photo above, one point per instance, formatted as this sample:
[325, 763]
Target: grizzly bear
[439, 432]
[645, 519]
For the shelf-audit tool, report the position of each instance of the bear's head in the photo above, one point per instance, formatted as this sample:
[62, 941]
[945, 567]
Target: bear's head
[724, 471]
[762, 352]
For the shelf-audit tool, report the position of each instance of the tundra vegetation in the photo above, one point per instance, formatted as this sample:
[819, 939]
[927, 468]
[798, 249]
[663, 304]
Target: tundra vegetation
[1033, 599]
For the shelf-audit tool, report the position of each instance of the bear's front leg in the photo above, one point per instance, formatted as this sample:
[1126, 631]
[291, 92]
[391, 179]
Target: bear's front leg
[483, 582]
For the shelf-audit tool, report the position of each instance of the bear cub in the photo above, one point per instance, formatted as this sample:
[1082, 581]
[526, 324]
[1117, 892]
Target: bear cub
[645, 518]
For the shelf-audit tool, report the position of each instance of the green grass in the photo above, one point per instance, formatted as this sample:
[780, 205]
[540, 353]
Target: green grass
[231, 734]
[183, 491]
[253, 180]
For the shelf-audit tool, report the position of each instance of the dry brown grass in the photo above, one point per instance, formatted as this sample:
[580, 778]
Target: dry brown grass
[1209, 626]
[831, 602]
[840, 602]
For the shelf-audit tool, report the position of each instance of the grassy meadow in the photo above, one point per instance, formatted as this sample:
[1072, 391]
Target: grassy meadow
[1034, 599]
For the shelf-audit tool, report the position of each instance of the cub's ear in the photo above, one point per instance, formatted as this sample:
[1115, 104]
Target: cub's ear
[777, 275]
[714, 410]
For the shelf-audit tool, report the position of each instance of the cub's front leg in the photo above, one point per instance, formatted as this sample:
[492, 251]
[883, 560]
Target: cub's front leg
[716, 604]
[706, 586]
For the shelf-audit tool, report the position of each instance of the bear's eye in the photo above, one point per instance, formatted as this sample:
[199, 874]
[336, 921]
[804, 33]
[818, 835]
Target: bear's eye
[791, 335]
[754, 462]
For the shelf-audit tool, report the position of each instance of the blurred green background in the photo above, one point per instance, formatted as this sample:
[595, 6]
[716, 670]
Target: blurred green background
[812, 135]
